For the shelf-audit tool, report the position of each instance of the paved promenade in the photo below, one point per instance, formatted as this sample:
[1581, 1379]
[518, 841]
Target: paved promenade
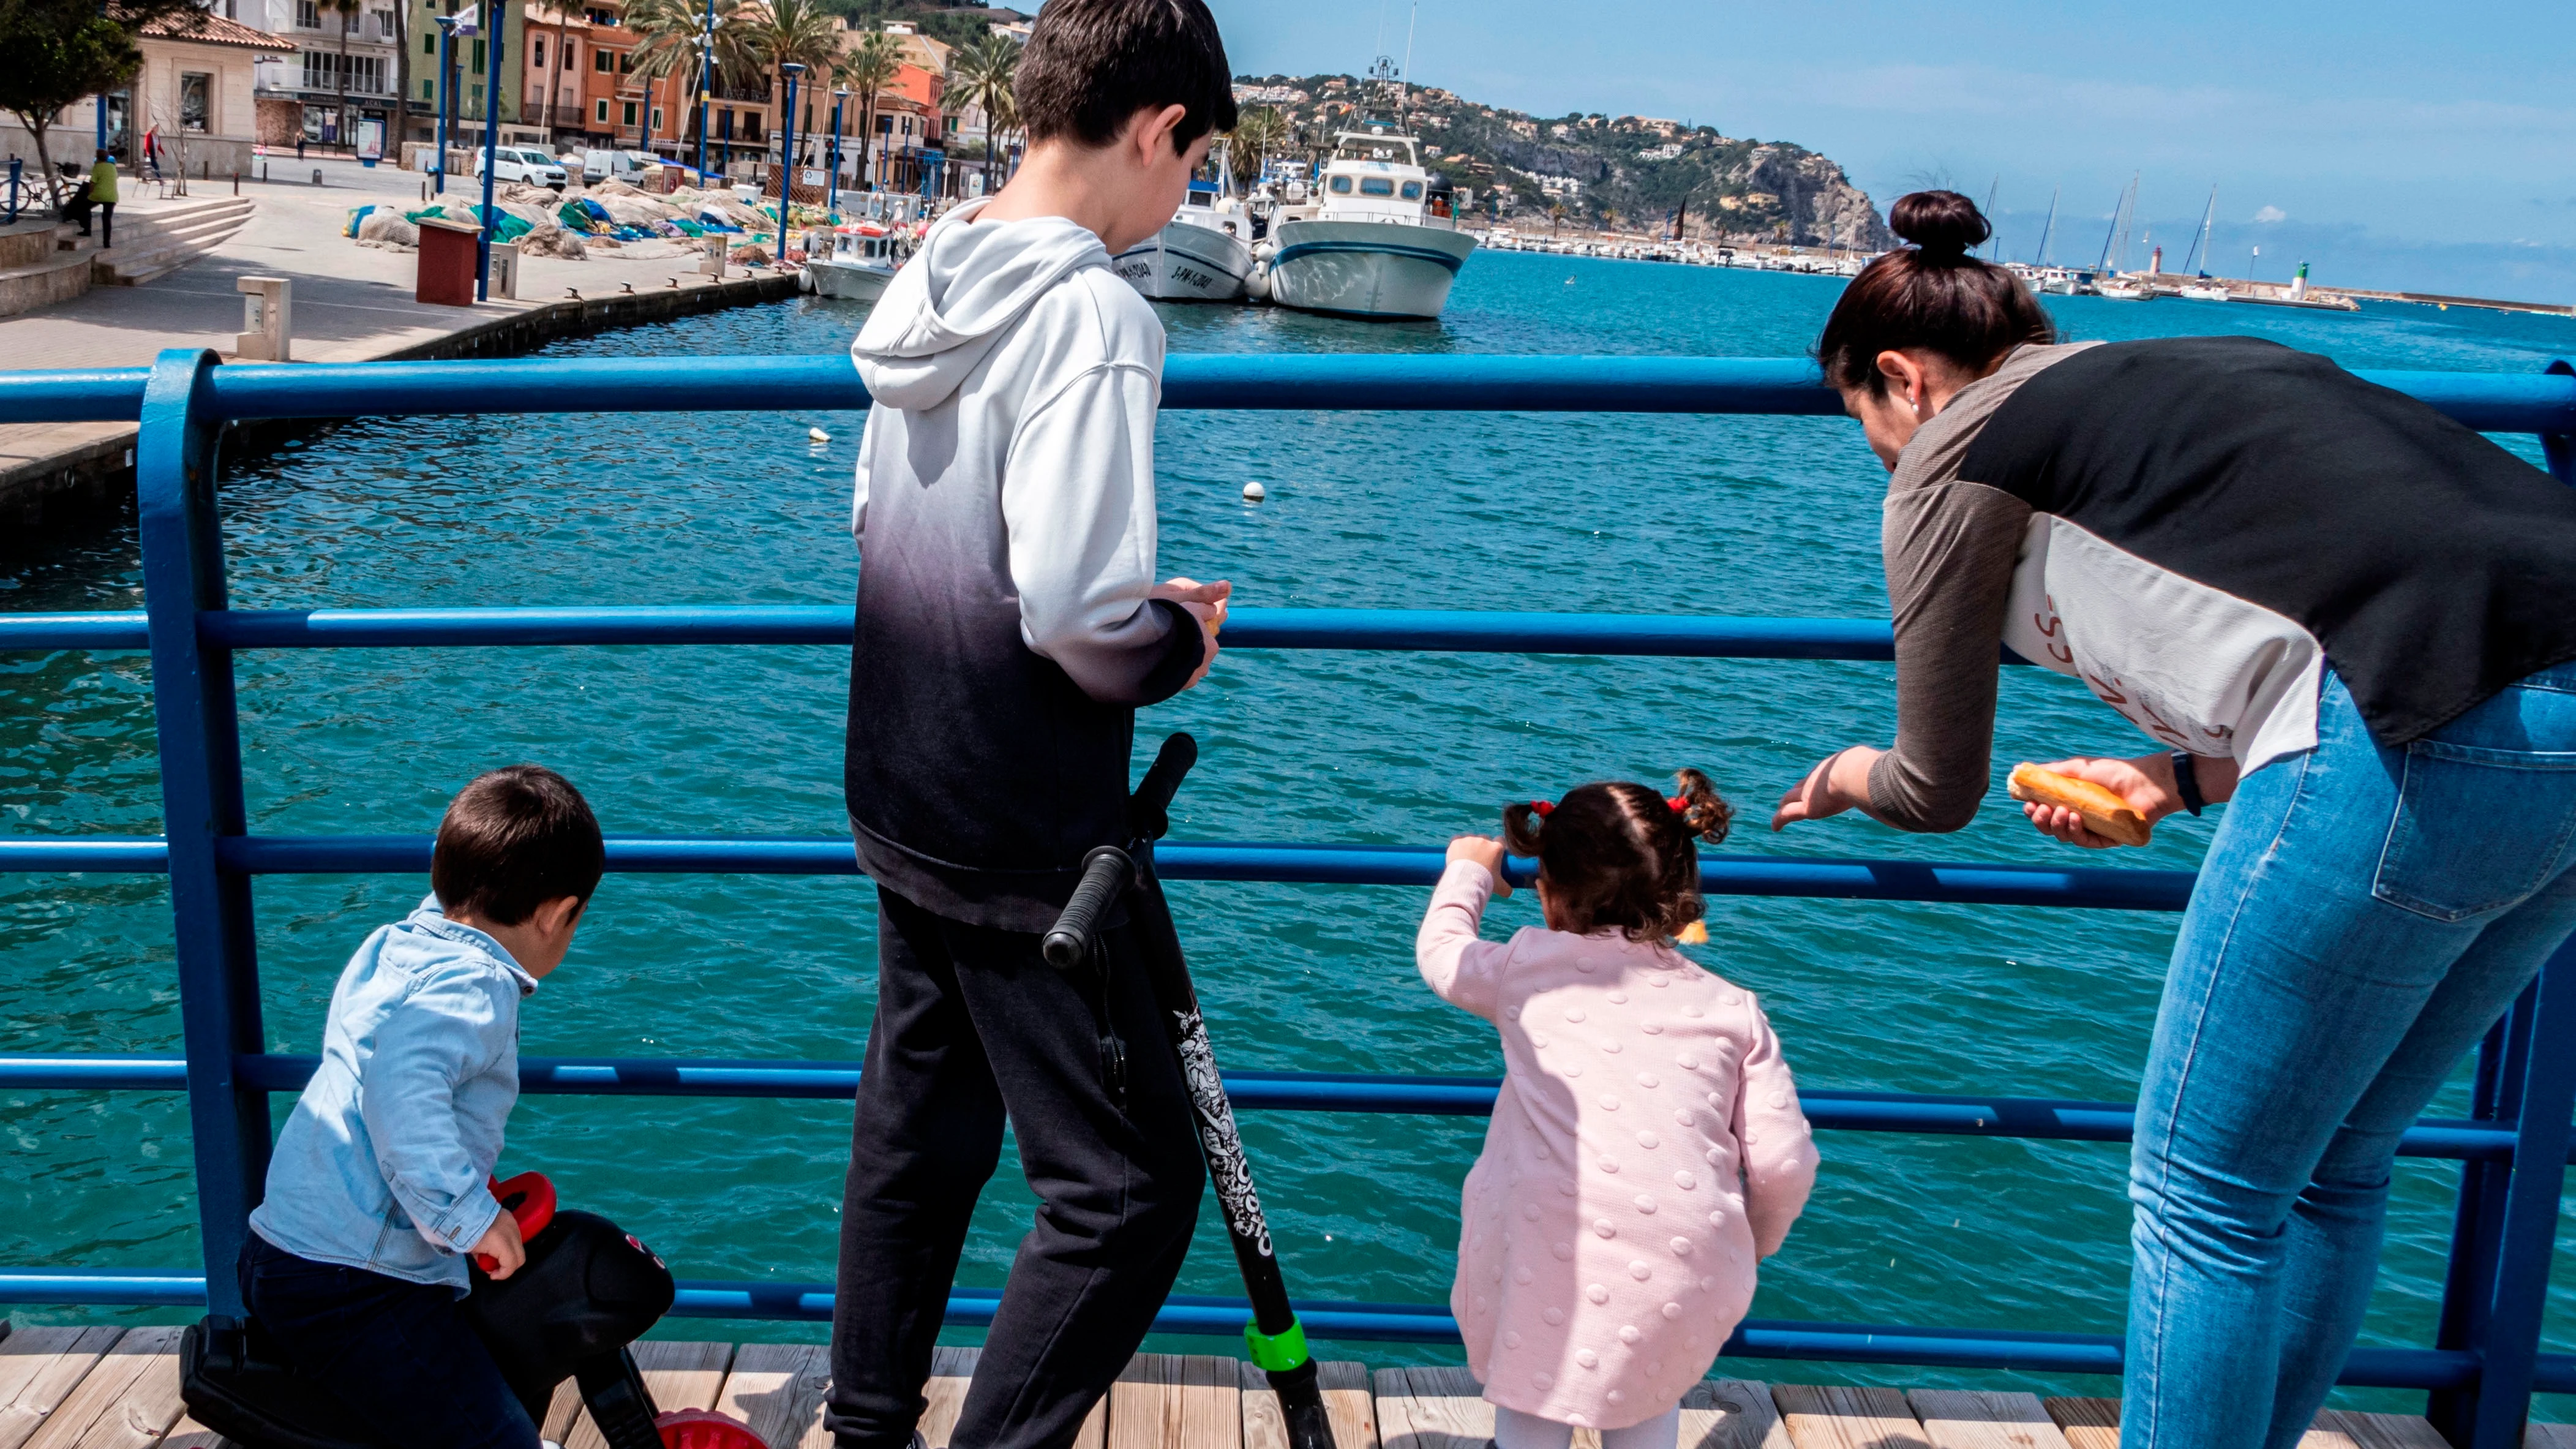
[351, 304]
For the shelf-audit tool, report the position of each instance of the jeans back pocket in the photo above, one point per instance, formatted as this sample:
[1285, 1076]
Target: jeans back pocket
[2477, 829]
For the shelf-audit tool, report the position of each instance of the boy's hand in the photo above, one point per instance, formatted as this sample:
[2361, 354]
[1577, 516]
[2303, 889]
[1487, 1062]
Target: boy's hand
[1205, 603]
[1486, 851]
[499, 1253]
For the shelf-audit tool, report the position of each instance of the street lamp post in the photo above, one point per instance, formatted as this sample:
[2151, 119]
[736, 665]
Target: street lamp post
[787, 152]
[491, 144]
[446, 97]
[832, 198]
[706, 85]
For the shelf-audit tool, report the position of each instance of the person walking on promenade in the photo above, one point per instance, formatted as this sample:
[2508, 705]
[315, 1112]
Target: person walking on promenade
[1009, 626]
[102, 195]
[2330, 606]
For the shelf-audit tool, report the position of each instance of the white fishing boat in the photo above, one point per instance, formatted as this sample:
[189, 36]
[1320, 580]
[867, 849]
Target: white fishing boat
[1203, 255]
[2125, 291]
[1380, 240]
[862, 262]
[2203, 290]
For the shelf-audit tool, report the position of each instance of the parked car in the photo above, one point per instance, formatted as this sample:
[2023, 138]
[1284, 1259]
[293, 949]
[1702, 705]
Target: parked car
[522, 163]
[627, 166]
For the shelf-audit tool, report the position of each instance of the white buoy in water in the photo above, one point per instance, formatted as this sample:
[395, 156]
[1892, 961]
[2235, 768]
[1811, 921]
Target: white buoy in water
[1254, 492]
[818, 435]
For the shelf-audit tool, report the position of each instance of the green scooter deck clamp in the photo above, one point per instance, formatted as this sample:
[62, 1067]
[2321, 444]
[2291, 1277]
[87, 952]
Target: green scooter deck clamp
[1275, 1352]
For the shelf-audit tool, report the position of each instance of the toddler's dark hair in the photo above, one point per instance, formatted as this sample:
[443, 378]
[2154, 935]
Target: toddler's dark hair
[1932, 295]
[1091, 64]
[513, 839]
[1618, 854]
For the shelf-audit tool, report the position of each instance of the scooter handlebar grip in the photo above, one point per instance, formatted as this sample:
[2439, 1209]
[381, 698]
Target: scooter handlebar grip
[1105, 872]
[1149, 809]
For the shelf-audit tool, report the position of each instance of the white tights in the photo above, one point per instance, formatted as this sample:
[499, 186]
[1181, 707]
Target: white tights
[1516, 1430]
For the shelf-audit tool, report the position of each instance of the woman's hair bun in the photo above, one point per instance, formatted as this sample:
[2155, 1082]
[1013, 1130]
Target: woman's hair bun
[1942, 223]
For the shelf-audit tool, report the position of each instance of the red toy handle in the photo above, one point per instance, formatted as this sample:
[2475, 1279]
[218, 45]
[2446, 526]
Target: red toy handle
[529, 1199]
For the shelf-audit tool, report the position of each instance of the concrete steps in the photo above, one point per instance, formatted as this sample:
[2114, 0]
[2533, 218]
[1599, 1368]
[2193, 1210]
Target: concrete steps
[34, 271]
[156, 243]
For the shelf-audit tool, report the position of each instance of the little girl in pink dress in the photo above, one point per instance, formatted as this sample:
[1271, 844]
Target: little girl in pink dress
[1647, 1148]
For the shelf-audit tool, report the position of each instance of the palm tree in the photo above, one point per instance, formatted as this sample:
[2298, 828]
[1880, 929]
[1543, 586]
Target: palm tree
[798, 31]
[981, 75]
[669, 36]
[867, 68]
[1261, 131]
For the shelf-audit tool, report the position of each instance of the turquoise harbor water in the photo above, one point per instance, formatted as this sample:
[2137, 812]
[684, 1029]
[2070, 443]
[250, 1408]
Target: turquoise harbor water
[1648, 514]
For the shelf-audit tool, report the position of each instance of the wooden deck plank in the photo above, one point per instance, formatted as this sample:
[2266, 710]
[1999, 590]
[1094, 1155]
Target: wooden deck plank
[777, 1389]
[1177, 1401]
[127, 1400]
[1971, 1419]
[2086, 1423]
[1731, 1414]
[189, 1434]
[686, 1375]
[951, 1371]
[1432, 1408]
[2344, 1429]
[1348, 1405]
[2095, 1424]
[39, 1367]
[1841, 1416]
[2549, 1436]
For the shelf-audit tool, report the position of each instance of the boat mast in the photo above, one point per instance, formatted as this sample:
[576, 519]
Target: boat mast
[1994, 238]
[2119, 209]
[2201, 242]
[2040, 258]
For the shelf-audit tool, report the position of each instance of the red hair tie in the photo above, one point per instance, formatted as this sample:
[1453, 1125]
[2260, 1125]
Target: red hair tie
[1543, 807]
[1680, 804]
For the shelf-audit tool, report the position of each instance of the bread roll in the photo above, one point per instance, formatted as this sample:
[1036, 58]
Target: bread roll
[2105, 814]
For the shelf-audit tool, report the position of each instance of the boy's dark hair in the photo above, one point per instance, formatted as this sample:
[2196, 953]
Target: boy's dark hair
[1620, 855]
[1091, 64]
[512, 840]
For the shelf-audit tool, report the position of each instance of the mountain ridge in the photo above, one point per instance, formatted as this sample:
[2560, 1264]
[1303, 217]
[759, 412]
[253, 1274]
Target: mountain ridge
[1630, 172]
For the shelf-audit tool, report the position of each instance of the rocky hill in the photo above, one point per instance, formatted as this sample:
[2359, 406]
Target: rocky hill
[1630, 172]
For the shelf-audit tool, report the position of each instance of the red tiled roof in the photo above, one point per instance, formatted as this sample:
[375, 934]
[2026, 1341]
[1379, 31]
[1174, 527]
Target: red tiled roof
[199, 27]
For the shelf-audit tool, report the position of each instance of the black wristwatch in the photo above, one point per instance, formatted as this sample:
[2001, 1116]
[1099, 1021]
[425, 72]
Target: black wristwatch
[2187, 781]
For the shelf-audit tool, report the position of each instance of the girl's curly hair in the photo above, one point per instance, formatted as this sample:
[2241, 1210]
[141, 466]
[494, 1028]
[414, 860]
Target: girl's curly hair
[1618, 854]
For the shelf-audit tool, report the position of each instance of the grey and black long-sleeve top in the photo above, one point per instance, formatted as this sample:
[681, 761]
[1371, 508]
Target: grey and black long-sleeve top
[2198, 528]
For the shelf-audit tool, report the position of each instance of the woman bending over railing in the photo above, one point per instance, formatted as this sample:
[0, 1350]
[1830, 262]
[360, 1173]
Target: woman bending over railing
[2330, 606]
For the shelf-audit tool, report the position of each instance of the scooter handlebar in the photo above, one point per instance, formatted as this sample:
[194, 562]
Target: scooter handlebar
[1105, 873]
[1149, 810]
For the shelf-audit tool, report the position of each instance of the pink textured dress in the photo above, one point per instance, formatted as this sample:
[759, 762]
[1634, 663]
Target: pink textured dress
[1646, 1151]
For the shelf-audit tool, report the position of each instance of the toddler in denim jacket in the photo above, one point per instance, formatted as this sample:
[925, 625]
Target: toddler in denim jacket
[377, 1188]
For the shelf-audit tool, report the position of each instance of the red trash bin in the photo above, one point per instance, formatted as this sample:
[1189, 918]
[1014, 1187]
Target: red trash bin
[447, 254]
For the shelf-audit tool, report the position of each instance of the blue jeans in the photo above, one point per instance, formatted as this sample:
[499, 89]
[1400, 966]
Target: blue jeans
[2364, 915]
[402, 1355]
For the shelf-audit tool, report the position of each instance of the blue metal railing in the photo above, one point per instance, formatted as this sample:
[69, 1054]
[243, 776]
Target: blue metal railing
[2482, 1368]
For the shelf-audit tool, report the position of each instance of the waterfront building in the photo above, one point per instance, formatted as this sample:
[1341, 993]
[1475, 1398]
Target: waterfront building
[196, 92]
[580, 83]
[337, 87]
[474, 76]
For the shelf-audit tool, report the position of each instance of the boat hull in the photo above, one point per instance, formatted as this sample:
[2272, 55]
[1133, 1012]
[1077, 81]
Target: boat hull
[1366, 268]
[1186, 263]
[848, 281]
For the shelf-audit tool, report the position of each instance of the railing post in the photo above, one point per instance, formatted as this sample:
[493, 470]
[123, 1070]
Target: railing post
[201, 800]
[2508, 1271]
[2477, 1222]
[2560, 448]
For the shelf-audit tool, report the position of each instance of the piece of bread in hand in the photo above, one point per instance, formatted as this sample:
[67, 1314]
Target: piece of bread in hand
[2105, 814]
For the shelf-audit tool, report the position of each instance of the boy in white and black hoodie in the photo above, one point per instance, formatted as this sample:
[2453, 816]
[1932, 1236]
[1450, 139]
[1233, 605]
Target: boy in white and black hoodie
[1009, 624]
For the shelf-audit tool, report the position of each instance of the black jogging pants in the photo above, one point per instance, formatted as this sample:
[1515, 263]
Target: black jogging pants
[973, 1028]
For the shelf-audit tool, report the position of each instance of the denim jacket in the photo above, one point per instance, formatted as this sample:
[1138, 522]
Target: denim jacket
[383, 1164]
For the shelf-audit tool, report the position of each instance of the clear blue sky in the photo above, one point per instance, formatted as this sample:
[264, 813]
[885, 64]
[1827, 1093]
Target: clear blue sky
[2425, 145]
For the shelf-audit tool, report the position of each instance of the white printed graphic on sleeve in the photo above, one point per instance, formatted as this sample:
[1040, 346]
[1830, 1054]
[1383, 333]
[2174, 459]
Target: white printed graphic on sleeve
[2196, 668]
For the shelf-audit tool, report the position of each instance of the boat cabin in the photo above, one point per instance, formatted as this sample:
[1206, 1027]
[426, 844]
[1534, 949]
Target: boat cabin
[1375, 175]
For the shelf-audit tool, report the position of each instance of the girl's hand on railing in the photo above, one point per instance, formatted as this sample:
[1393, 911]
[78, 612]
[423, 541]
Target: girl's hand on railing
[1837, 783]
[1486, 851]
